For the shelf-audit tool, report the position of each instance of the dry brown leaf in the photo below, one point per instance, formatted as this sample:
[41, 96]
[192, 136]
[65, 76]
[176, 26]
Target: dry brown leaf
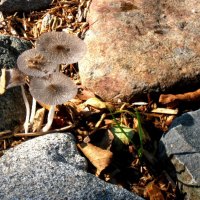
[189, 96]
[100, 158]
[85, 94]
[153, 192]
[38, 120]
[97, 103]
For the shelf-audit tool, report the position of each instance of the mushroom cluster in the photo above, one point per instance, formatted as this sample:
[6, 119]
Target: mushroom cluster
[41, 64]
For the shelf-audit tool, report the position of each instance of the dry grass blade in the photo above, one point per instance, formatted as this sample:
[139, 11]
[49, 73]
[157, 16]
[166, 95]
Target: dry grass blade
[5, 134]
[43, 133]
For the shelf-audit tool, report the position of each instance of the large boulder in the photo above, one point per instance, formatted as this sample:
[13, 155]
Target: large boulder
[12, 6]
[182, 145]
[142, 46]
[12, 108]
[50, 167]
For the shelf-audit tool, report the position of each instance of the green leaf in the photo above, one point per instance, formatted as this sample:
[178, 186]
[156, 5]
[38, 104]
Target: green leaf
[141, 133]
[124, 136]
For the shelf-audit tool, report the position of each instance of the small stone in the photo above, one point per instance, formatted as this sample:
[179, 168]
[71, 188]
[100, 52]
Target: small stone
[12, 108]
[50, 167]
[12, 6]
[140, 47]
[182, 145]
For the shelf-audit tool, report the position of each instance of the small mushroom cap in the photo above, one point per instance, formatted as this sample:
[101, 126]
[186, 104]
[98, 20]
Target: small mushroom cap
[14, 77]
[35, 63]
[54, 89]
[65, 48]
[11, 78]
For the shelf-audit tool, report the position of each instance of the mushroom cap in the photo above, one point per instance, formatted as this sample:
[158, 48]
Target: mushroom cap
[34, 63]
[14, 77]
[54, 89]
[65, 48]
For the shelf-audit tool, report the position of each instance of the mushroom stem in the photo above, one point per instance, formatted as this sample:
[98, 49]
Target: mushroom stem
[33, 110]
[26, 123]
[49, 119]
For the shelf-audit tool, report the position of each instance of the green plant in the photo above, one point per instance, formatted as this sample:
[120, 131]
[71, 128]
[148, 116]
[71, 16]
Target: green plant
[139, 127]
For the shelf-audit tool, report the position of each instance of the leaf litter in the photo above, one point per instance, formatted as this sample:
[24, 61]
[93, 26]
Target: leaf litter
[119, 140]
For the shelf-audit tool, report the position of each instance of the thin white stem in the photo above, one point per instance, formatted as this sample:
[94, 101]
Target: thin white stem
[33, 110]
[49, 119]
[26, 123]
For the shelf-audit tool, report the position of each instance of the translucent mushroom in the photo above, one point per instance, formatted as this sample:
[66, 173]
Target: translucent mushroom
[53, 90]
[64, 48]
[13, 78]
[35, 63]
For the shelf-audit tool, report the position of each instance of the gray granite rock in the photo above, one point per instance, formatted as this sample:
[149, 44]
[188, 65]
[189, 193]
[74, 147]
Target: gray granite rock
[182, 145]
[50, 167]
[138, 47]
[12, 108]
[11, 6]
[10, 49]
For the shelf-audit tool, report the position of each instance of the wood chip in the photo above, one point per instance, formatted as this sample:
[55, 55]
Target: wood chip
[165, 111]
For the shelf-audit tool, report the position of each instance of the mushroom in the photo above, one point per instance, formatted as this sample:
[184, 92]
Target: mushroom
[64, 48]
[53, 90]
[13, 78]
[33, 111]
[34, 63]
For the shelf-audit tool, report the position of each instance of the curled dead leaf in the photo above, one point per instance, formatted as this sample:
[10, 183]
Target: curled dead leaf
[97, 103]
[100, 158]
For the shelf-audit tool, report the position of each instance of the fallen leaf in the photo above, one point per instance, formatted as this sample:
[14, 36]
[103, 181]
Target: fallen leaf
[100, 158]
[97, 103]
[85, 94]
[38, 120]
[153, 192]
[122, 136]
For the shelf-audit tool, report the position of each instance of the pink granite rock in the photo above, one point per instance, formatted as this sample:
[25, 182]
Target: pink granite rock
[141, 46]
